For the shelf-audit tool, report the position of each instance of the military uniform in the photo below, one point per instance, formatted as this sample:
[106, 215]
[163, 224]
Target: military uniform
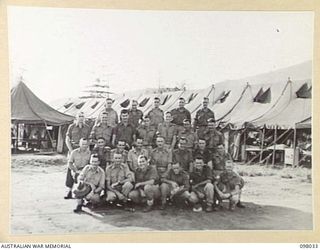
[213, 139]
[184, 157]
[135, 116]
[75, 133]
[205, 154]
[200, 120]
[192, 138]
[168, 131]
[124, 154]
[79, 159]
[203, 191]
[133, 157]
[125, 133]
[156, 116]
[148, 135]
[219, 162]
[149, 192]
[112, 119]
[180, 114]
[94, 177]
[102, 130]
[182, 179]
[104, 156]
[161, 158]
[227, 183]
[116, 174]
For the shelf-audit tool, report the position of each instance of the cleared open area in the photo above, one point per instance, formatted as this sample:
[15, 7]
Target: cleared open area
[275, 199]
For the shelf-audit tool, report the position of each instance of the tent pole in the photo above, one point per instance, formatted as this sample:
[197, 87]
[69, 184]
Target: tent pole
[60, 140]
[51, 140]
[274, 147]
[245, 144]
[17, 139]
[294, 146]
[262, 142]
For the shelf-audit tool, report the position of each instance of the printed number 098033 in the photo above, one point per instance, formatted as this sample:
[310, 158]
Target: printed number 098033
[308, 245]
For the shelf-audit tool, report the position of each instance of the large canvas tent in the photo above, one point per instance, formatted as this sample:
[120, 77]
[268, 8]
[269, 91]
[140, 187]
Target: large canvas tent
[279, 99]
[27, 108]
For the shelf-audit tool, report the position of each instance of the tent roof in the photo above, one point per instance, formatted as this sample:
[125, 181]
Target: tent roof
[26, 107]
[289, 110]
[304, 124]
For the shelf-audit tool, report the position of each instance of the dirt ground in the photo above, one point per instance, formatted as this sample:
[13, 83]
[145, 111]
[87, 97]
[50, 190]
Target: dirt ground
[275, 199]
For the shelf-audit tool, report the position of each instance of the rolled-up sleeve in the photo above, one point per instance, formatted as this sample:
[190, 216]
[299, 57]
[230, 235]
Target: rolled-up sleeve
[71, 157]
[83, 173]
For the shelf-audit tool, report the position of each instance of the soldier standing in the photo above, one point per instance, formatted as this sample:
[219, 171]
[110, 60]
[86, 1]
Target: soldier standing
[102, 129]
[168, 131]
[189, 134]
[135, 114]
[201, 119]
[155, 114]
[180, 113]
[147, 133]
[213, 136]
[201, 150]
[183, 155]
[124, 131]
[76, 131]
[112, 114]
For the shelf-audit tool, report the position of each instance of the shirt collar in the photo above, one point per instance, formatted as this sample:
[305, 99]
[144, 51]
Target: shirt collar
[77, 124]
[91, 168]
[128, 124]
[100, 125]
[114, 166]
[134, 150]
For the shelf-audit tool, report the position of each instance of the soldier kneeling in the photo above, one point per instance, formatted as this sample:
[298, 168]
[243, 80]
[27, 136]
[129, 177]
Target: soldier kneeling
[201, 186]
[91, 183]
[228, 186]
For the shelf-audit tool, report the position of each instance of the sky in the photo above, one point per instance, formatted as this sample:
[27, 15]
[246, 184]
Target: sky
[58, 52]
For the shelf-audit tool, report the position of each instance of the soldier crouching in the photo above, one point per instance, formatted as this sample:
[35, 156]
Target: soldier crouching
[94, 177]
[175, 185]
[119, 181]
[146, 188]
[228, 186]
[201, 186]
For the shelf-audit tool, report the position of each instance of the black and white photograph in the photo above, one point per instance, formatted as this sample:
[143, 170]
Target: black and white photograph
[160, 120]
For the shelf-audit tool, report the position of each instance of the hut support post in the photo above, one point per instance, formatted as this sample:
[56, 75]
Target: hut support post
[274, 147]
[60, 141]
[294, 147]
[245, 144]
[262, 142]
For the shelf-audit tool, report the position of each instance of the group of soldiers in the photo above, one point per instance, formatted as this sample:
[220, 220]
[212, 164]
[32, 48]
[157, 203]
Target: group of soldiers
[157, 157]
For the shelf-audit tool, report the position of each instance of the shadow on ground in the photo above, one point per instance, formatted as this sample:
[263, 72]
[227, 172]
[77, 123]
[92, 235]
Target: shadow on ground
[253, 217]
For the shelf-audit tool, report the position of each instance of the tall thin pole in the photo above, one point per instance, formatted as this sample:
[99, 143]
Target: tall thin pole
[294, 146]
[245, 144]
[17, 139]
[274, 147]
[262, 142]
